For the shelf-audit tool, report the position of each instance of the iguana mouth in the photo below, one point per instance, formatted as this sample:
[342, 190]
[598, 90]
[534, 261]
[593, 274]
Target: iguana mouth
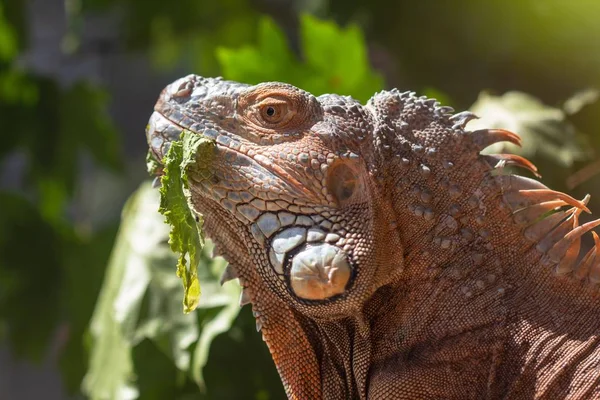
[161, 131]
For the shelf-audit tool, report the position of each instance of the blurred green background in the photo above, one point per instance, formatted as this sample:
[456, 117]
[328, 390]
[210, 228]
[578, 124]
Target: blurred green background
[89, 303]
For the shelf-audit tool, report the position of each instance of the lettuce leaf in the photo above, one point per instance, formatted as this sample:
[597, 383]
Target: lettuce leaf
[192, 154]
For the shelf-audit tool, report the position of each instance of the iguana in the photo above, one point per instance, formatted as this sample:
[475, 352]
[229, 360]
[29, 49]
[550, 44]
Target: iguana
[383, 255]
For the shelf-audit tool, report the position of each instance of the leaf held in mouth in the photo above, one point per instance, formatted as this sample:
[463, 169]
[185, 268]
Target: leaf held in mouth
[191, 154]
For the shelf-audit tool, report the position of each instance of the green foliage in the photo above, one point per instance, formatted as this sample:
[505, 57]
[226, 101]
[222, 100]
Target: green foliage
[185, 29]
[545, 130]
[186, 236]
[334, 59]
[54, 127]
[82, 270]
[50, 266]
[139, 334]
[47, 277]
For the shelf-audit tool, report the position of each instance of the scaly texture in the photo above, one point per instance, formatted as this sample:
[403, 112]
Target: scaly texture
[384, 257]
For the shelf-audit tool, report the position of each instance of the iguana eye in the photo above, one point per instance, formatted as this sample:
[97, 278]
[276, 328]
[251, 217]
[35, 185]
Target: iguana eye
[275, 111]
[274, 107]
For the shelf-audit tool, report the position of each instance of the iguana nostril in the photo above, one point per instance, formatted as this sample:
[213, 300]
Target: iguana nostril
[184, 90]
[319, 272]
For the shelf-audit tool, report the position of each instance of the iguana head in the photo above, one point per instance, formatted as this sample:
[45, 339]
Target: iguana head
[291, 202]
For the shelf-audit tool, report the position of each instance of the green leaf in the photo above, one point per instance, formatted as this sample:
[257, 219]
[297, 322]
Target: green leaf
[338, 59]
[335, 59]
[192, 154]
[79, 290]
[248, 361]
[157, 377]
[110, 373]
[219, 323]
[545, 130]
[247, 64]
[140, 301]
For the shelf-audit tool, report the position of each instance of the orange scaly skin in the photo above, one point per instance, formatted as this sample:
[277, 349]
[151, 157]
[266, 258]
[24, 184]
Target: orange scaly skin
[384, 257]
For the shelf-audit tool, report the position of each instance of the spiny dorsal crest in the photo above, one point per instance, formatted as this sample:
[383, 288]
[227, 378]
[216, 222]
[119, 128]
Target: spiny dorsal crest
[548, 218]
[428, 131]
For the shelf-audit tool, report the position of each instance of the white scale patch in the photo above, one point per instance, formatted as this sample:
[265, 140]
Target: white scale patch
[320, 270]
[283, 242]
[288, 239]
